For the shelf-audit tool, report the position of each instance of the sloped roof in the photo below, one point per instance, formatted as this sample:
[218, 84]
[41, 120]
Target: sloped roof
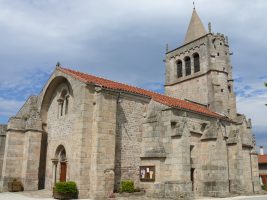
[195, 29]
[262, 159]
[163, 99]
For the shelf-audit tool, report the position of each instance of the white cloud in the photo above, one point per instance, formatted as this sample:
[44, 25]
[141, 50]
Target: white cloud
[255, 108]
[9, 107]
[124, 41]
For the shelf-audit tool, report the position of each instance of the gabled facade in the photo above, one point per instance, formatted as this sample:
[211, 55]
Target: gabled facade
[99, 132]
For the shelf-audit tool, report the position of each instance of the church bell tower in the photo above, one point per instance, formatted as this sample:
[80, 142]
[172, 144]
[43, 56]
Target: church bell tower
[200, 70]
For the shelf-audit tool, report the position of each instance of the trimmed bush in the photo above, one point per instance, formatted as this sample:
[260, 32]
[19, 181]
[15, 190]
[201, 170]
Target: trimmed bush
[127, 186]
[66, 187]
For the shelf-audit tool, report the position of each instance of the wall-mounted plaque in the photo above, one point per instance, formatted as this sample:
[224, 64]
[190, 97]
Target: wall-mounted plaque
[147, 173]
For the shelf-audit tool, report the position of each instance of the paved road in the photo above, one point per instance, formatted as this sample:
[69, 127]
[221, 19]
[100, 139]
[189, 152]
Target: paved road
[262, 197]
[18, 196]
[46, 195]
[232, 198]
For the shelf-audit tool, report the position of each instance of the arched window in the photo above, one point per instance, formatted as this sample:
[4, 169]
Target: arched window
[187, 66]
[196, 62]
[179, 68]
[63, 101]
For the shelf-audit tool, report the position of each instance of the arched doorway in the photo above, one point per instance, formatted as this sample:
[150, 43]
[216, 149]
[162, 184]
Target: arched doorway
[60, 164]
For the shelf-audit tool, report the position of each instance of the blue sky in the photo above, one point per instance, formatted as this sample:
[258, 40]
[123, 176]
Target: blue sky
[125, 41]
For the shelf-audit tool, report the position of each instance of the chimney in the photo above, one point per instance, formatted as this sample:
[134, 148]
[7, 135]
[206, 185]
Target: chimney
[261, 150]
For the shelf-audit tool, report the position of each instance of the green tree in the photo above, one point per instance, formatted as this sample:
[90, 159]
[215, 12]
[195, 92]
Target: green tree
[265, 84]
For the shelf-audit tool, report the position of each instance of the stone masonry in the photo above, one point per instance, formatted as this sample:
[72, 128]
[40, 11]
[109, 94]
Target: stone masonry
[96, 132]
[2, 144]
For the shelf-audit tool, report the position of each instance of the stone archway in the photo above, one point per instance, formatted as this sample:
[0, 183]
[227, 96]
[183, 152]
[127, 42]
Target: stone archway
[57, 90]
[60, 165]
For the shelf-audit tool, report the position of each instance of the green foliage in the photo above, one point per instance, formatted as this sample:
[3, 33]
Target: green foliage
[127, 186]
[66, 187]
[263, 187]
[265, 84]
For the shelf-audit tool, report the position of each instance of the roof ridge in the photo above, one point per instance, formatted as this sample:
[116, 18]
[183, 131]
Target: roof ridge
[160, 98]
[126, 84]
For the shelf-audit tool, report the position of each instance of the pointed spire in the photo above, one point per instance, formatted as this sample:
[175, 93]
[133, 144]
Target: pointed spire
[195, 29]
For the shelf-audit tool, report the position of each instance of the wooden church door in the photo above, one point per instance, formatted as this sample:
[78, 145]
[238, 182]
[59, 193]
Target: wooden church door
[63, 171]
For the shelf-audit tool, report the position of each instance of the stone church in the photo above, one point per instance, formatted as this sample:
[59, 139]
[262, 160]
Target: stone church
[187, 142]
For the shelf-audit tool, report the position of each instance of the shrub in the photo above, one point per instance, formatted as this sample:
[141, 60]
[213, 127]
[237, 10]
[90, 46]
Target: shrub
[127, 186]
[264, 187]
[66, 187]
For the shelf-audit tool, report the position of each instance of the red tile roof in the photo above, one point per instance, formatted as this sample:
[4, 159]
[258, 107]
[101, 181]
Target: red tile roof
[262, 158]
[163, 99]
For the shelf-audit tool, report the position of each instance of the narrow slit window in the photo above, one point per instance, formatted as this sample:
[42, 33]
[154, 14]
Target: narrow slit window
[61, 109]
[66, 106]
[229, 88]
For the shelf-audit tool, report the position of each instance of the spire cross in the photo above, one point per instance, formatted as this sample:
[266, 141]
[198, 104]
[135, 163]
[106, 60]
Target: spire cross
[194, 5]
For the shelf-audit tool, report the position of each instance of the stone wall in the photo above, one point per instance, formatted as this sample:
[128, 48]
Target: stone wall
[188, 86]
[214, 174]
[255, 171]
[213, 84]
[13, 158]
[196, 87]
[2, 145]
[69, 128]
[25, 110]
[103, 144]
[108, 135]
[130, 116]
[31, 160]
[22, 151]
[247, 170]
